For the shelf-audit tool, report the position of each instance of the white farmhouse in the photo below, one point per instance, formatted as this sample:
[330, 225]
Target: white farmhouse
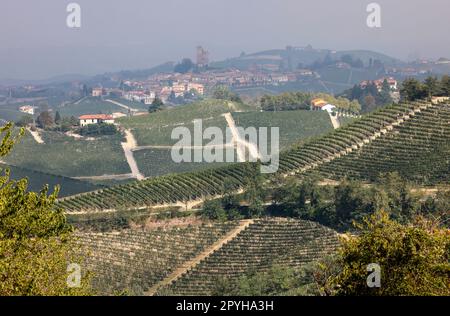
[27, 109]
[96, 119]
[329, 108]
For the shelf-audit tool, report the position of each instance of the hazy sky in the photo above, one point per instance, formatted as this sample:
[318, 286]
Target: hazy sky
[129, 34]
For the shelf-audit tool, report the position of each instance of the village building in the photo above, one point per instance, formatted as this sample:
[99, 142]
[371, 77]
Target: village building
[28, 109]
[97, 92]
[318, 103]
[393, 85]
[95, 119]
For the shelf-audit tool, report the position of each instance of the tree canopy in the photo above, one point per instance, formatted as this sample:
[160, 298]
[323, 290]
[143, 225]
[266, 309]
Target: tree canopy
[36, 242]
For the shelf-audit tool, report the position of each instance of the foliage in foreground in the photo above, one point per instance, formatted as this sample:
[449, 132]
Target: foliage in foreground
[414, 259]
[35, 240]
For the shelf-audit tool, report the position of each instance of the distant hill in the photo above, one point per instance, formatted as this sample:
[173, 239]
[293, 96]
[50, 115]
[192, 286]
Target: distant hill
[293, 57]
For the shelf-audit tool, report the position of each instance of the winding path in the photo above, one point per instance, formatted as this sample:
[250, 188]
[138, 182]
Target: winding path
[240, 143]
[128, 147]
[36, 136]
[126, 107]
[188, 265]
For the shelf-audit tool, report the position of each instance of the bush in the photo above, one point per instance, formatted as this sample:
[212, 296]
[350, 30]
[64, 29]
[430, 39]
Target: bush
[212, 209]
[98, 130]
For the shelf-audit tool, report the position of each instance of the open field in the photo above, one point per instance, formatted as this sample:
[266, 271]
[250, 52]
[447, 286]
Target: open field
[67, 156]
[180, 115]
[37, 180]
[161, 135]
[90, 105]
[294, 126]
[157, 162]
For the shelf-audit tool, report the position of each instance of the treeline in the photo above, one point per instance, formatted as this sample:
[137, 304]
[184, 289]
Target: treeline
[412, 89]
[337, 207]
[369, 97]
[352, 200]
[302, 101]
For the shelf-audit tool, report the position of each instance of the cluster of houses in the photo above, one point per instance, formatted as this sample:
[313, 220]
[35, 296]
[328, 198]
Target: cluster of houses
[164, 85]
[393, 84]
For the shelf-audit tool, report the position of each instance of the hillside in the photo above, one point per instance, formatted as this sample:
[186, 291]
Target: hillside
[68, 156]
[190, 259]
[295, 56]
[376, 128]
[37, 180]
[266, 242]
[134, 260]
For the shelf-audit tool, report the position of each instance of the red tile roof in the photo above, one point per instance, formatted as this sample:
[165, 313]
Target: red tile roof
[96, 116]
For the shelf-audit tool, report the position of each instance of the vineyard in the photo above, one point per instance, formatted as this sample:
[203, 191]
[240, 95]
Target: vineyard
[89, 105]
[156, 162]
[294, 126]
[410, 129]
[134, 260]
[137, 261]
[205, 109]
[37, 180]
[266, 242]
[70, 157]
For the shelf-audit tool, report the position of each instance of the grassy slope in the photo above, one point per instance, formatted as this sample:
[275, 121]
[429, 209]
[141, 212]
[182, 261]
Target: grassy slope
[90, 106]
[294, 125]
[157, 162]
[179, 115]
[70, 157]
[37, 180]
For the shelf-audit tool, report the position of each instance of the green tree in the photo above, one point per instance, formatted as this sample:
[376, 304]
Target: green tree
[25, 120]
[57, 118]
[212, 209]
[156, 105]
[44, 119]
[222, 92]
[414, 259]
[412, 90]
[185, 66]
[36, 243]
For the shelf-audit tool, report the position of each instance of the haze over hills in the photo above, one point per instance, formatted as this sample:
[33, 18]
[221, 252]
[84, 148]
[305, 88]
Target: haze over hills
[303, 56]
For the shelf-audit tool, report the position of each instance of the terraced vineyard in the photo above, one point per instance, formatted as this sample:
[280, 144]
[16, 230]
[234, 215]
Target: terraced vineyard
[284, 242]
[168, 189]
[417, 128]
[419, 150]
[134, 260]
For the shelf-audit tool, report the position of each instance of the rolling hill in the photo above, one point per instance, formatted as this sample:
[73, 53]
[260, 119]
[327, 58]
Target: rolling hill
[421, 129]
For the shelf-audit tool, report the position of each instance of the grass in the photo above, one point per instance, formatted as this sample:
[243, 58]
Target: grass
[37, 180]
[204, 109]
[157, 162]
[161, 135]
[131, 104]
[294, 125]
[90, 105]
[64, 155]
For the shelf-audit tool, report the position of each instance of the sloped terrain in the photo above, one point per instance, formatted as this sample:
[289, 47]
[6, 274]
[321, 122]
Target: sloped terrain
[189, 260]
[284, 242]
[372, 131]
[134, 260]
